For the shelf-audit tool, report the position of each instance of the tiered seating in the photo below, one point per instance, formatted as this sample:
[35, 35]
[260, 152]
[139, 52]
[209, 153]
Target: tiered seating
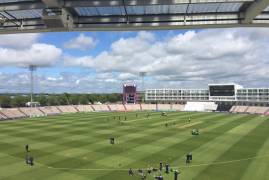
[50, 110]
[267, 113]
[12, 113]
[241, 109]
[132, 107]
[177, 107]
[232, 109]
[2, 117]
[100, 107]
[250, 109]
[96, 107]
[67, 109]
[84, 108]
[257, 110]
[117, 107]
[104, 107]
[262, 110]
[113, 107]
[164, 107]
[148, 107]
[31, 111]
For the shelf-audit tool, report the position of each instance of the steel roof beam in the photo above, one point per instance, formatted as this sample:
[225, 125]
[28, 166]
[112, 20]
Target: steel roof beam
[28, 5]
[155, 18]
[254, 10]
[104, 3]
[127, 27]
[15, 6]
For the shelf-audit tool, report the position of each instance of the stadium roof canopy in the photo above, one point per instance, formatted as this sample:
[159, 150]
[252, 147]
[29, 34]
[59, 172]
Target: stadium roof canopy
[101, 15]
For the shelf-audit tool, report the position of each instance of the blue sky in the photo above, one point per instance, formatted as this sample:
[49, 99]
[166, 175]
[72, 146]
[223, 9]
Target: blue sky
[103, 61]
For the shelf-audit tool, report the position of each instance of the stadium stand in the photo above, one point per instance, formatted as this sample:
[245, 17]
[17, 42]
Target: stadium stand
[100, 107]
[164, 107]
[262, 110]
[104, 107]
[232, 109]
[177, 107]
[250, 109]
[125, 109]
[84, 108]
[67, 109]
[132, 107]
[116, 107]
[50, 110]
[109, 108]
[96, 107]
[148, 107]
[240, 109]
[12, 113]
[2, 116]
[267, 113]
[200, 106]
[31, 111]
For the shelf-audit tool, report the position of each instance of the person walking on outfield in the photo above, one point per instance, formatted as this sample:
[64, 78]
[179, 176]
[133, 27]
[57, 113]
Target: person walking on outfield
[176, 173]
[161, 166]
[131, 173]
[27, 148]
[31, 159]
[187, 159]
[167, 168]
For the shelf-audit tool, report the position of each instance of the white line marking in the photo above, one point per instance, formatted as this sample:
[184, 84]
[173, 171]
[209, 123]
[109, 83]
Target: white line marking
[187, 166]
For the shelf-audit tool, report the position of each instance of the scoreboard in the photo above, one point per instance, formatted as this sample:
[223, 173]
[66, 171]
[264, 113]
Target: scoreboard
[222, 90]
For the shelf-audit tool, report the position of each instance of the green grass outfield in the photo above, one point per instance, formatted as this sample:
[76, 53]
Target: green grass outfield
[76, 146]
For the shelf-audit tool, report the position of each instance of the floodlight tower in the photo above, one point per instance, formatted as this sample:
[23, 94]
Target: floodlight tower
[142, 74]
[32, 68]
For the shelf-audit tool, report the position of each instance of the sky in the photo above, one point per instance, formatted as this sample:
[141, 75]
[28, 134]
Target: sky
[100, 62]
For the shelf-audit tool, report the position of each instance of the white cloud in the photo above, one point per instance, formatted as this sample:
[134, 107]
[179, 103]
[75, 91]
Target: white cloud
[127, 76]
[82, 42]
[219, 55]
[84, 61]
[22, 50]
[58, 83]
[36, 54]
[18, 41]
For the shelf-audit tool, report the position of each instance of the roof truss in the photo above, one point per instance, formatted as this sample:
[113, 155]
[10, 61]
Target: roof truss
[109, 15]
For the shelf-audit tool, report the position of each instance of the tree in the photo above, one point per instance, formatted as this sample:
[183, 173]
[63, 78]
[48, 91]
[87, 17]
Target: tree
[5, 101]
[67, 97]
[74, 99]
[19, 101]
[42, 99]
[83, 99]
[52, 100]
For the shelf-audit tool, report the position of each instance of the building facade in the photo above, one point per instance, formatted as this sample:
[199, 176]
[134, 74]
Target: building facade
[222, 93]
[129, 95]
